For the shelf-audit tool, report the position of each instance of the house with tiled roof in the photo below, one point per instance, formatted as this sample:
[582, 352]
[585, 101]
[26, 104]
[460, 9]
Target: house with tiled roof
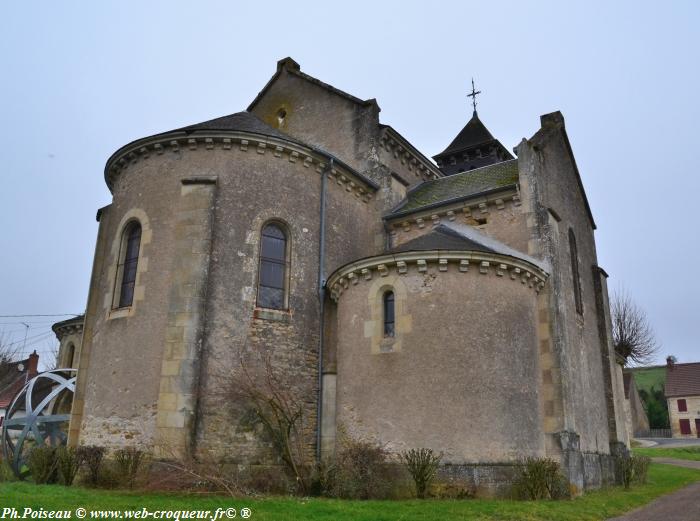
[683, 395]
[13, 377]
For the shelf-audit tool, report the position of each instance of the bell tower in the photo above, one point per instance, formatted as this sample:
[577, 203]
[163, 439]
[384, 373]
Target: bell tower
[473, 147]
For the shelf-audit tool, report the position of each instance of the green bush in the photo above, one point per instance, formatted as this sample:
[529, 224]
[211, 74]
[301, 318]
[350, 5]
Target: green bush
[540, 478]
[91, 457]
[68, 464]
[129, 462]
[422, 464]
[42, 465]
[6, 473]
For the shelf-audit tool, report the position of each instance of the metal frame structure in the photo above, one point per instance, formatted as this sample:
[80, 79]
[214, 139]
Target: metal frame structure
[38, 412]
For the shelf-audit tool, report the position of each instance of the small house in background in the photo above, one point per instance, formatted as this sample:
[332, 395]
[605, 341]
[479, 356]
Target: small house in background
[13, 376]
[636, 419]
[683, 395]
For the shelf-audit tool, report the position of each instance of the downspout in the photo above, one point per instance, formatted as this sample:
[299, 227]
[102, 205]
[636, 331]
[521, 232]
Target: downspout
[322, 300]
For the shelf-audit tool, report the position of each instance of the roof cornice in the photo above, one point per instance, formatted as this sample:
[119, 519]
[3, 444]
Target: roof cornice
[395, 143]
[486, 263]
[179, 141]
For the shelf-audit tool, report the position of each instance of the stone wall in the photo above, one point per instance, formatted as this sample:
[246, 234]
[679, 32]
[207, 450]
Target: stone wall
[461, 374]
[552, 193]
[692, 414]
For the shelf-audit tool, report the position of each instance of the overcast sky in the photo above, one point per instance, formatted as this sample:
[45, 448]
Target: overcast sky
[81, 79]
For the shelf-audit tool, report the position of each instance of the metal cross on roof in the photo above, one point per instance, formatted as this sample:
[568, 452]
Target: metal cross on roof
[473, 94]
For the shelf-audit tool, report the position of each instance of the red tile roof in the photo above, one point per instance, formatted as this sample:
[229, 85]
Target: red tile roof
[683, 380]
[10, 384]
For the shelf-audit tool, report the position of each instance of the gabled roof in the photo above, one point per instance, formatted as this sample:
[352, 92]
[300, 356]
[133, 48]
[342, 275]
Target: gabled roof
[454, 236]
[442, 238]
[12, 380]
[474, 133]
[683, 380]
[293, 67]
[458, 186]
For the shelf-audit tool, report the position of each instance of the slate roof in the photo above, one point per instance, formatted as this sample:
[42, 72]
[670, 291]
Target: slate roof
[459, 186]
[683, 380]
[462, 237]
[240, 121]
[442, 238]
[474, 133]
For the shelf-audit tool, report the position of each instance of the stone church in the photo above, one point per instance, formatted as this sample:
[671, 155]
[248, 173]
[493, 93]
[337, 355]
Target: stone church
[455, 304]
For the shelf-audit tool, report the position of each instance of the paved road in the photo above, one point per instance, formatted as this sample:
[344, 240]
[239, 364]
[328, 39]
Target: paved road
[683, 505]
[671, 442]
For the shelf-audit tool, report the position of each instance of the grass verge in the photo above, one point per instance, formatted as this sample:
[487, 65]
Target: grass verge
[691, 453]
[596, 505]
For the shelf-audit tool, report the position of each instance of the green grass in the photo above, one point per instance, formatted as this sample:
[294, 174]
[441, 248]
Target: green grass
[646, 377]
[593, 506]
[691, 453]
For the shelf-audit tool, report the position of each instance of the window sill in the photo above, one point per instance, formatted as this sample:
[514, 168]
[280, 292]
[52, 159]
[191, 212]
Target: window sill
[275, 315]
[120, 312]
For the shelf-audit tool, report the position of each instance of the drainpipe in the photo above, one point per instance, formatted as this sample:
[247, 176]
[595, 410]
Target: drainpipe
[322, 300]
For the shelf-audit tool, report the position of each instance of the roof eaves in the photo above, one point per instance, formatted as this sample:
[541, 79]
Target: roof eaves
[394, 214]
[180, 133]
[407, 144]
[293, 67]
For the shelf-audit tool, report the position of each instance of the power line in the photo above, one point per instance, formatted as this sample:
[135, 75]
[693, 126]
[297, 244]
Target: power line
[45, 333]
[55, 315]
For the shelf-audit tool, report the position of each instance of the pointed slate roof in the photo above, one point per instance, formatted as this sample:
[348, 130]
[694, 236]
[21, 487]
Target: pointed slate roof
[474, 133]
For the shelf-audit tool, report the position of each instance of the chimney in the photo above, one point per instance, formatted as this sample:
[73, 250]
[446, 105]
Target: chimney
[33, 365]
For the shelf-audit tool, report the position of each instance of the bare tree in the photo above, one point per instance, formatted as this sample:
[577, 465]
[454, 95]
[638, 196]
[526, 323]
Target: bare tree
[280, 409]
[8, 354]
[633, 336]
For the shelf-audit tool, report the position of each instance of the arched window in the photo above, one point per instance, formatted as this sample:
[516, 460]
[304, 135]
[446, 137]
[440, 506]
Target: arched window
[70, 355]
[389, 314]
[129, 259]
[272, 276]
[573, 252]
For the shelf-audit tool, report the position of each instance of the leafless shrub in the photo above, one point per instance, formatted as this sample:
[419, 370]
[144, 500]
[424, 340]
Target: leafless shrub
[68, 464]
[129, 462]
[633, 336]
[42, 465]
[360, 470]
[91, 457]
[280, 410]
[199, 476]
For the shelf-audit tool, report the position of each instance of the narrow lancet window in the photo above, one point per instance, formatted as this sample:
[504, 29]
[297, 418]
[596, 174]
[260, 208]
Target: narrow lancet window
[389, 316]
[273, 268]
[573, 252]
[131, 244]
